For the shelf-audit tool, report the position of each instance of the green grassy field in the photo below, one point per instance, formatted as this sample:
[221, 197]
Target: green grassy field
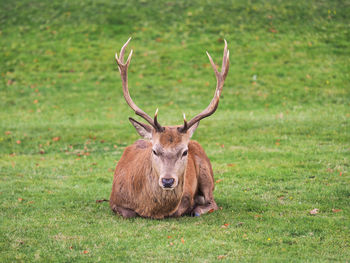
[279, 142]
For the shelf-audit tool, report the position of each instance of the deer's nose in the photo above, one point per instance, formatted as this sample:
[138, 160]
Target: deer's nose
[167, 182]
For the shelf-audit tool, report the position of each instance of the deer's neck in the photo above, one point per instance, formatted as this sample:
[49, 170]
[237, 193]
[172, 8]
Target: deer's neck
[164, 202]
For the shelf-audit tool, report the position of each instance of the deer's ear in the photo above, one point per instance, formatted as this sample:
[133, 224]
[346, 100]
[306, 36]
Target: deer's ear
[193, 129]
[143, 129]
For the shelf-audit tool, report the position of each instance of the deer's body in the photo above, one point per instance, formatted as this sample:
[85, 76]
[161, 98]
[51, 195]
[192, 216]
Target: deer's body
[130, 192]
[167, 174]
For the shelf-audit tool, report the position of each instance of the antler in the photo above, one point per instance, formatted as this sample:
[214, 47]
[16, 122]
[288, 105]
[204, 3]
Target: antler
[220, 79]
[123, 69]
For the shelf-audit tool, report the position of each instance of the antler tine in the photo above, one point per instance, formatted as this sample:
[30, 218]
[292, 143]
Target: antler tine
[224, 58]
[122, 50]
[220, 79]
[185, 123]
[159, 127]
[123, 69]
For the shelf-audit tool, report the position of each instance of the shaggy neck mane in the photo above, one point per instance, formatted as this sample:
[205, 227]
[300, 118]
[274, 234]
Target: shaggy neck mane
[164, 201]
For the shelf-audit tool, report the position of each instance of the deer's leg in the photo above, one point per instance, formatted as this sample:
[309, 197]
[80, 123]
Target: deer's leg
[124, 212]
[185, 206]
[203, 209]
[199, 200]
[204, 200]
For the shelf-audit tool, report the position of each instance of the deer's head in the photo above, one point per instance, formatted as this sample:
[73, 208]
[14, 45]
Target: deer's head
[170, 144]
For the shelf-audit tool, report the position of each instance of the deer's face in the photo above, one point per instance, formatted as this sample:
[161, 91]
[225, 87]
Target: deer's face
[169, 152]
[169, 156]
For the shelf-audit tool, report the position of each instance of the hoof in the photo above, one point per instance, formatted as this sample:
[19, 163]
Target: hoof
[196, 214]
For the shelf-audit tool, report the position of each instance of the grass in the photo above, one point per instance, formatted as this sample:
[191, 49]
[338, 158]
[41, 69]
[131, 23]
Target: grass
[279, 142]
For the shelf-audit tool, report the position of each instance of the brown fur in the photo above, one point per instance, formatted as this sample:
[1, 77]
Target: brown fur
[136, 190]
[170, 137]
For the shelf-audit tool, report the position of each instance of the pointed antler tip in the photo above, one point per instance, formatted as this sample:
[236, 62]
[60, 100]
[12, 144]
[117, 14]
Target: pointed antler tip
[185, 125]
[157, 126]
[124, 47]
[209, 56]
[129, 57]
[225, 44]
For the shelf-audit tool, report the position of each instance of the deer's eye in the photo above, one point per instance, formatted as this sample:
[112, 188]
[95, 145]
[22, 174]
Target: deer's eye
[184, 153]
[155, 153]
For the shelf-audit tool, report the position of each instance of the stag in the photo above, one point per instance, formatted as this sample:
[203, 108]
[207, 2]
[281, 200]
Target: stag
[166, 174]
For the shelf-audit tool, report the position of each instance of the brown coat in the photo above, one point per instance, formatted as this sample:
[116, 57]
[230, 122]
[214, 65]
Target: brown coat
[135, 184]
